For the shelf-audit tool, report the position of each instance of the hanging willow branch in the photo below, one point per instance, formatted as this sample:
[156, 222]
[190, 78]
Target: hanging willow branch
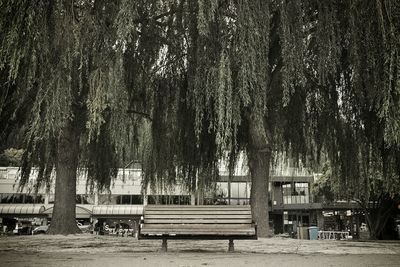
[141, 114]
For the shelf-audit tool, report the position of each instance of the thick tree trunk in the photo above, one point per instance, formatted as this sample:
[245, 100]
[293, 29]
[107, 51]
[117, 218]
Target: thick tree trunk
[259, 155]
[377, 218]
[63, 219]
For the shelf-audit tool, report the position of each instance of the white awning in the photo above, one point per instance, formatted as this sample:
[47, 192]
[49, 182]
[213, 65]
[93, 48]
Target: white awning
[82, 212]
[117, 210]
[21, 209]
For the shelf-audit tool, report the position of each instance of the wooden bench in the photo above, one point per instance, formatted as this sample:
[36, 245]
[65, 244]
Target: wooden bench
[197, 222]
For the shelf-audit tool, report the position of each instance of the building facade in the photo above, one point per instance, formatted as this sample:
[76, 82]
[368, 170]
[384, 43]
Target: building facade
[291, 201]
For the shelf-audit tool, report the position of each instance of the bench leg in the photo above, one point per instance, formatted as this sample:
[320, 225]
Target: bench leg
[164, 245]
[231, 246]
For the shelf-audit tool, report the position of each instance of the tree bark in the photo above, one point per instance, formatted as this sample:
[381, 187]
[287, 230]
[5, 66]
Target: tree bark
[63, 219]
[377, 218]
[259, 155]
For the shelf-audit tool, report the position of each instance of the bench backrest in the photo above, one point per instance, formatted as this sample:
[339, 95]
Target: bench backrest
[206, 221]
[168, 214]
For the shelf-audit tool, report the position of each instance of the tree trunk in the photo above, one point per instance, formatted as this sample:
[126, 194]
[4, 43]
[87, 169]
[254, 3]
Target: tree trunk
[259, 155]
[378, 218]
[63, 219]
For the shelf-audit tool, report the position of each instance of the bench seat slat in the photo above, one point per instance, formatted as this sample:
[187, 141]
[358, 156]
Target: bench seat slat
[197, 221]
[213, 229]
[197, 226]
[235, 212]
[189, 207]
[198, 216]
[198, 232]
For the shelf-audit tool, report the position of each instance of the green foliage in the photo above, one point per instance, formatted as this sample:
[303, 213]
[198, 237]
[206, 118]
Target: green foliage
[63, 52]
[315, 77]
[206, 14]
[11, 157]
[295, 67]
[293, 47]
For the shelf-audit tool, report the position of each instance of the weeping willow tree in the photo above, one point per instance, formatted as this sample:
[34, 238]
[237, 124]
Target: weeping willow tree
[205, 78]
[204, 83]
[363, 140]
[303, 77]
[351, 97]
[59, 56]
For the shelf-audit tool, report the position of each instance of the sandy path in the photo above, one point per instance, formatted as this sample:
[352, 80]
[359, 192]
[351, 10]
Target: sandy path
[60, 259]
[88, 250]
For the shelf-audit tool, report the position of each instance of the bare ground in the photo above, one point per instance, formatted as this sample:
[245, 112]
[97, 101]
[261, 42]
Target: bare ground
[89, 250]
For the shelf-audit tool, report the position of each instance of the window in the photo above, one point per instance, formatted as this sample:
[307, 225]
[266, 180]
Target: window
[242, 187]
[3, 174]
[10, 198]
[240, 193]
[34, 199]
[183, 200]
[21, 198]
[78, 199]
[120, 199]
[297, 194]
[85, 199]
[137, 200]
[126, 199]
[234, 190]
[287, 193]
[169, 199]
[222, 189]
[302, 192]
[109, 199]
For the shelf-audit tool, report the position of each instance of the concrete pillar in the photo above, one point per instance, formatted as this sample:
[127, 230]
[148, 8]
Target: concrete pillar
[46, 199]
[200, 197]
[145, 200]
[320, 220]
[96, 198]
[357, 225]
[352, 225]
[192, 199]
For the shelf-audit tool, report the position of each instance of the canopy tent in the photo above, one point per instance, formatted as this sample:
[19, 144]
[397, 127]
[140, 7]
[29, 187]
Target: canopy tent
[82, 212]
[117, 210]
[22, 209]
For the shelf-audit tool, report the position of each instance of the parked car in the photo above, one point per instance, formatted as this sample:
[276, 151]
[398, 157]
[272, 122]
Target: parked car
[85, 228]
[22, 229]
[43, 229]
[40, 229]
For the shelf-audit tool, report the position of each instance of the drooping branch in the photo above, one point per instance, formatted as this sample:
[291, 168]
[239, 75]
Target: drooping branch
[155, 18]
[143, 114]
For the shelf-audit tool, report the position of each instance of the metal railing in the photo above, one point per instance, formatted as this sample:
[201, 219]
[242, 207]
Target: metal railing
[333, 235]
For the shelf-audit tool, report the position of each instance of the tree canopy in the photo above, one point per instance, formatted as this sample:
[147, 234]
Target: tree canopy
[191, 81]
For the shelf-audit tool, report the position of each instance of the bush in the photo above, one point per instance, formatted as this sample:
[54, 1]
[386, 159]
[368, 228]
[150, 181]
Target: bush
[11, 157]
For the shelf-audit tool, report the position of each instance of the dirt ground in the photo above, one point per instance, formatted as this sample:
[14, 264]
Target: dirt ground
[89, 250]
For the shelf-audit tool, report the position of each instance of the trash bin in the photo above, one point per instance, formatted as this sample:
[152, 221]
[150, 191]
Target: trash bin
[313, 232]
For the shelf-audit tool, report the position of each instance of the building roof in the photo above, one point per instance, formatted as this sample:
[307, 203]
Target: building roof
[21, 209]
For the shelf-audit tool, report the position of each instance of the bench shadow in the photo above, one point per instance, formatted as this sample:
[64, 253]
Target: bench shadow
[198, 250]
